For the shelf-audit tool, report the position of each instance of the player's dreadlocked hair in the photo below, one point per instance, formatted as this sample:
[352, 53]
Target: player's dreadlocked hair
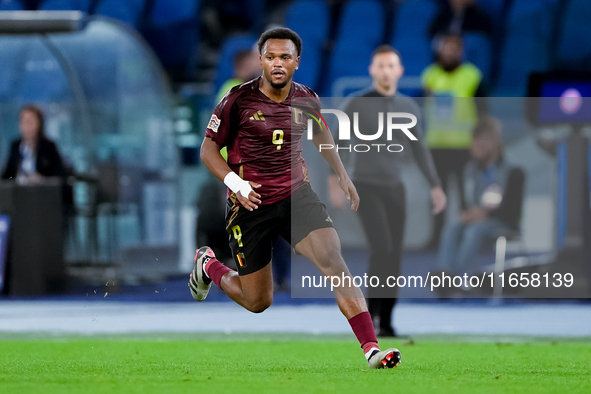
[281, 33]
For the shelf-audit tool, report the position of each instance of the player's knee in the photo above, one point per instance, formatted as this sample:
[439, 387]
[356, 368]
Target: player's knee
[260, 304]
[331, 257]
[259, 307]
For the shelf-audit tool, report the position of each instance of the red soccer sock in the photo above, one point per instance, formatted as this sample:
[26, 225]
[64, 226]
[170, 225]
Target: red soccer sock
[362, 326]
[214, 269]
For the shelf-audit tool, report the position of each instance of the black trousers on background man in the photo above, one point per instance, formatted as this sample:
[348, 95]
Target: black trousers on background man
[382, 212]
[448, 162]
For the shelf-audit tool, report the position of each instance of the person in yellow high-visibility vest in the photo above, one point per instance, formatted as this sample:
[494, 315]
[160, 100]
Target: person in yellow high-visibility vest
[450, 86]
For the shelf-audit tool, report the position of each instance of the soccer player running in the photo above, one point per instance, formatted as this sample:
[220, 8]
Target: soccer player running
[270, 195]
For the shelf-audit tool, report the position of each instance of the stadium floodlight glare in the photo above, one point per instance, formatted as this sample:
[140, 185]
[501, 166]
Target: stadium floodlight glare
[41, 22]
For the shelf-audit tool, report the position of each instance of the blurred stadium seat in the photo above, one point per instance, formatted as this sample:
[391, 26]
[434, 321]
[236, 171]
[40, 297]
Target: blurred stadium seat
[575, 40]
[526, 49]
[478, 50]
[412, 21]
[357, 16]
[243, 15]
[350, 59]
[173, 31]
[310, 19]
[10, 5]
[355, 41]
[166, 13]
[229, 48]
[494, 8]
[128, 11]
[77, 5]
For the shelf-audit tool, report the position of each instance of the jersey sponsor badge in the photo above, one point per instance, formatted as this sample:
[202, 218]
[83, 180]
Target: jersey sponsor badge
[214, 123]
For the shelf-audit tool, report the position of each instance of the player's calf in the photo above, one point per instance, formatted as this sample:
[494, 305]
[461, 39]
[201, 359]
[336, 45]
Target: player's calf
[249, 291]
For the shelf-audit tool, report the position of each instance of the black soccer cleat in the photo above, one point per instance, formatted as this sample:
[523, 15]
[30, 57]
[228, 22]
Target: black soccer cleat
[199, 284]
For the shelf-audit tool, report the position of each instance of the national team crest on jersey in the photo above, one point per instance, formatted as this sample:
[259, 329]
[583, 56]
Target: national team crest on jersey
[214, 123]
[241, 260]
[297, 115]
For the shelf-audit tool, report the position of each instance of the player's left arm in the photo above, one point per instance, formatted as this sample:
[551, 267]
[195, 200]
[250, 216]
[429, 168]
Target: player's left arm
[323, 136]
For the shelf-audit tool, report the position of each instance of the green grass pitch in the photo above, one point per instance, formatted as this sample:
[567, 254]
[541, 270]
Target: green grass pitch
[288, 365]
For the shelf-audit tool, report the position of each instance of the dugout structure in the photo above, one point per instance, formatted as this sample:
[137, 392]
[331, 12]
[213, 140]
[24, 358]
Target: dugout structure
[109, 108]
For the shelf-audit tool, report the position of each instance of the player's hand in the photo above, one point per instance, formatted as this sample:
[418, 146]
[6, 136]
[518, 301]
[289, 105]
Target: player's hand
[350, 192]
[439, 200]
[337, 198]
[253, 200]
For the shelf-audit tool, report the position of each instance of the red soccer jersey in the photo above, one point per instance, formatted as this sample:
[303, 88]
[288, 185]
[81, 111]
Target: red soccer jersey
[264, 143]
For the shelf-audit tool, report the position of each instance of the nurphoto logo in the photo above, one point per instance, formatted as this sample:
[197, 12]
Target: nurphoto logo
[392, 120]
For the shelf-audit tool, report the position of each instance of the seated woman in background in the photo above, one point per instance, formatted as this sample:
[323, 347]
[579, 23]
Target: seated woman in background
[493, 196]
[32, 155]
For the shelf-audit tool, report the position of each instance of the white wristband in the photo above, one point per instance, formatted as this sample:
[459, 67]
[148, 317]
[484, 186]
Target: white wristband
[237, 184]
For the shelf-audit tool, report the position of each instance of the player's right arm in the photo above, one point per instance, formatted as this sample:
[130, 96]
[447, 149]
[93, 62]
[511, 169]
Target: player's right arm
[215, 163]
[220, 132]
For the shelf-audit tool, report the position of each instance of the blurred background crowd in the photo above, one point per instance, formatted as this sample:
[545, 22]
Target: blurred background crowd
[122, 100]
